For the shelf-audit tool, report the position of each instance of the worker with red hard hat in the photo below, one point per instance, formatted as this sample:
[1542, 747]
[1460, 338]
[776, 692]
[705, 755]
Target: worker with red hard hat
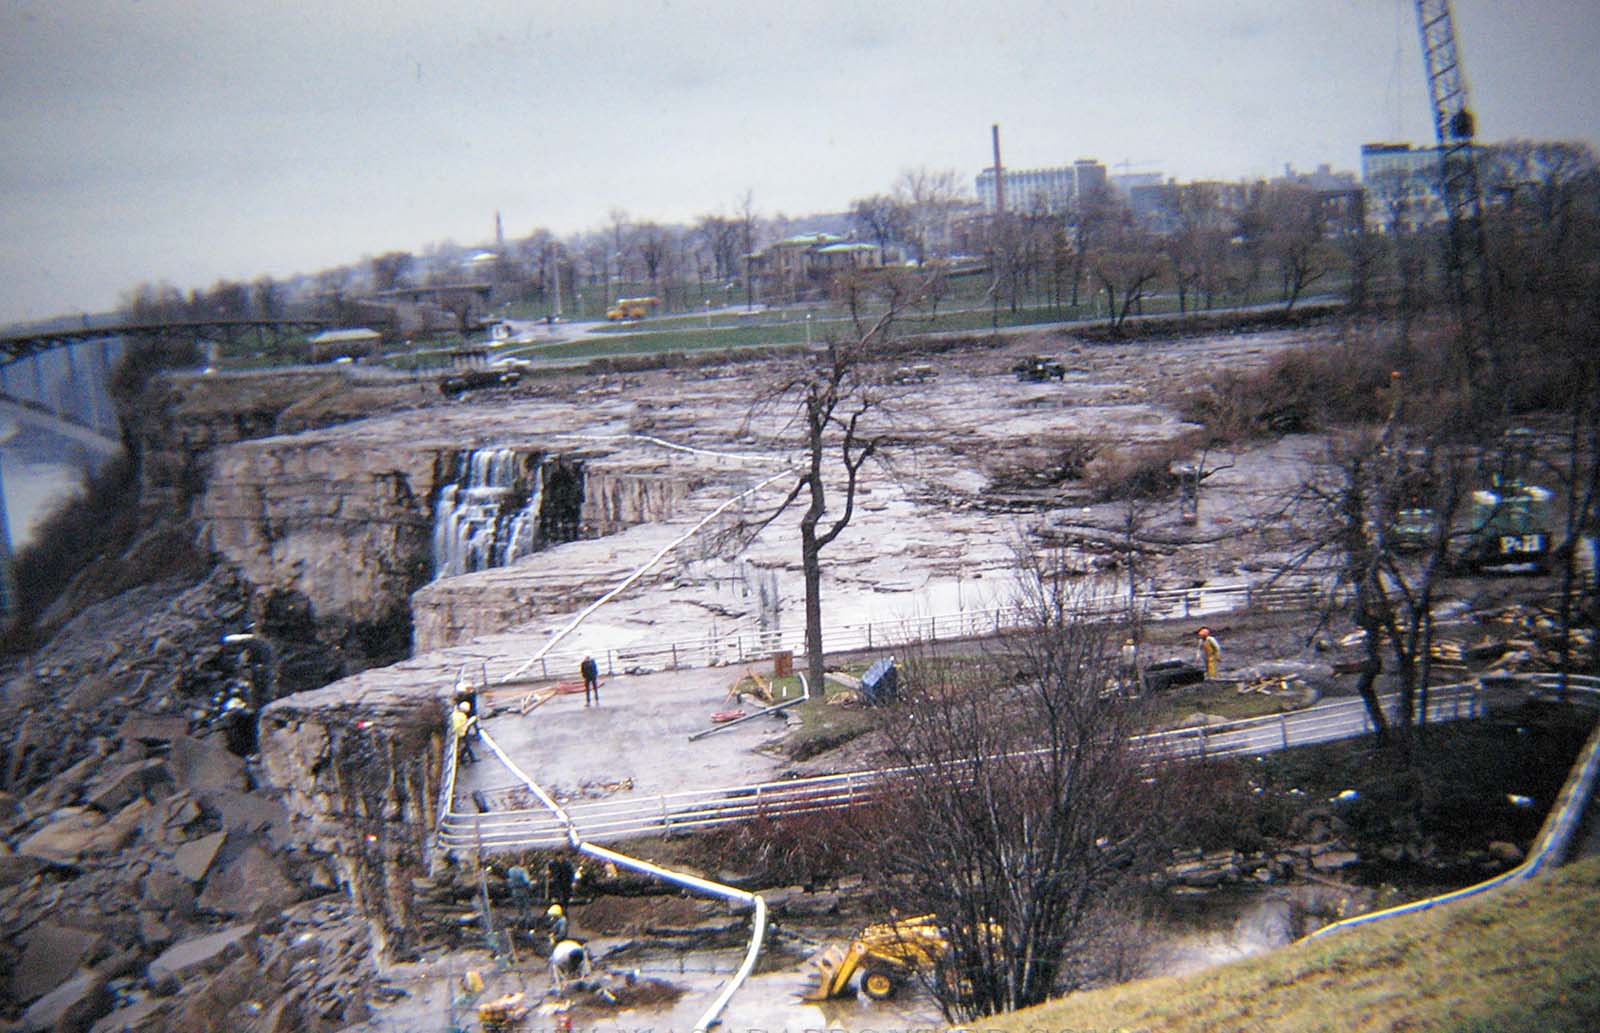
[1210, 652]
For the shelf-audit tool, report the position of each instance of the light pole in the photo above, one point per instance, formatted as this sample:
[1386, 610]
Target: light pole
[708, 313]
[808, 328]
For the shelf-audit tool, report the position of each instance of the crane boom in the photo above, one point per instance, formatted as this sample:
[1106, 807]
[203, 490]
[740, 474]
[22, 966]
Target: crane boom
[1454, 126]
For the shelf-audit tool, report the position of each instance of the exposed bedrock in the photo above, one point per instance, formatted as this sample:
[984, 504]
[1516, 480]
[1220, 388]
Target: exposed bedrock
[350, 528]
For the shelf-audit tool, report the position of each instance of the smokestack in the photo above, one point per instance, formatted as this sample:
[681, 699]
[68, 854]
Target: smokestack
[999, 172]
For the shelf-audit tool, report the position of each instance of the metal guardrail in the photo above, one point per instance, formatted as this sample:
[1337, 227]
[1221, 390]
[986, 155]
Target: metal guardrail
[521, 827]
[746, 644]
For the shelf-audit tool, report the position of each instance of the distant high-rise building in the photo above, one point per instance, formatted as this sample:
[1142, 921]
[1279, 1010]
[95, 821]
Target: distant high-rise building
[1089, 174]
[1402, 186]
[1028, 189]
[1050, 189]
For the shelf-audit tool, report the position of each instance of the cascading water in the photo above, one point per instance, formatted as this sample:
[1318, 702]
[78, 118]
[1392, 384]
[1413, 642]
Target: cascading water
[477, 522]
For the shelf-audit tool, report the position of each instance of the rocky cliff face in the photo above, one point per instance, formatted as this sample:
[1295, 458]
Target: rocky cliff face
[343, 527]
[349, 528]
[358, 767]
[182, 418]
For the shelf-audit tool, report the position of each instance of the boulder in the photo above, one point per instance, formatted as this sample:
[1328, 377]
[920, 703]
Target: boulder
[193, 859]
[137, 1016]
[148, 729]
[74, 1005]
[245, 813]
[252, 885]
[199, 766]
[64, 787]
[199, 955]
[51, 955]
[19, 868]
[168, 892]
[1508, 853]
[65, 837]
[114, 789]
[1333, 860]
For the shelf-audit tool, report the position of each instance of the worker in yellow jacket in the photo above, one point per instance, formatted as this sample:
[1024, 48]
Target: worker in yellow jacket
[1210, 652]
[463, 723]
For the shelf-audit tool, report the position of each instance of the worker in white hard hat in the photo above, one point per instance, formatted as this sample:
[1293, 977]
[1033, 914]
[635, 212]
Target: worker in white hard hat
[462, 724]
[569, 962]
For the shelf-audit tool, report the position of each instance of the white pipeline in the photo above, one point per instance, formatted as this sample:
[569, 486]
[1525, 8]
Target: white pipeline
[636, 575]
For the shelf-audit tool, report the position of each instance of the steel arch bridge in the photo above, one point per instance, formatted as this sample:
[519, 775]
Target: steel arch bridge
[225, 331]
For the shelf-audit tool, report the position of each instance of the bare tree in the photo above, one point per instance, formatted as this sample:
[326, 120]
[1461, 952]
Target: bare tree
[722, 240]
[880, 217]
[835, 411]
[1018, 806]
[929, 198]
[1383, 511]
[267, 296]
[1295, 239]
[1126, 262]
[391, 270]
[654, 244]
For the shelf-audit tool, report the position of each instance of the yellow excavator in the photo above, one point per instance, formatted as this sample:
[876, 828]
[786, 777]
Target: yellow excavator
[886, 954]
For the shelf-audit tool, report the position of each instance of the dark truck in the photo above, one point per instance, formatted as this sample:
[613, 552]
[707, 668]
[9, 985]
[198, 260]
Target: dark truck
[1037, 368]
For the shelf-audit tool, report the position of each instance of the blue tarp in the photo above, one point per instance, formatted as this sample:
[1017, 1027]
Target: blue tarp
[881, 683]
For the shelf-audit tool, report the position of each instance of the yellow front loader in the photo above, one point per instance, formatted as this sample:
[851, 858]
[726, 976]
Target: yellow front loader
[886, 954]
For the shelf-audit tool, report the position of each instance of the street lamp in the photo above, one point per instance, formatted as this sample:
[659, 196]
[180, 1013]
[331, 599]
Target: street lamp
[808, 328]
[708, 313]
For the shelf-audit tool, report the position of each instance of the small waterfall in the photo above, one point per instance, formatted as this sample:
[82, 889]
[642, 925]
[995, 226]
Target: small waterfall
[477, 521]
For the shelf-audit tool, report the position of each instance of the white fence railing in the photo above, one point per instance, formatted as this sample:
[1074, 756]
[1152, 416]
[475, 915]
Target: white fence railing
[744, 644]
[514, 823]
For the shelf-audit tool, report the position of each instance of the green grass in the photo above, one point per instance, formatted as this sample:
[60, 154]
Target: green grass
[1223, 700]
[825, 725]
[1523, 957]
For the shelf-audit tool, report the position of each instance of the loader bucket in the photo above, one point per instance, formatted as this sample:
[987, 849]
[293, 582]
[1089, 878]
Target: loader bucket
[830, 973]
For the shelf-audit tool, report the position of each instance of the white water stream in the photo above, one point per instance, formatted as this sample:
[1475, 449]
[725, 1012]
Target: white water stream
[475, 522]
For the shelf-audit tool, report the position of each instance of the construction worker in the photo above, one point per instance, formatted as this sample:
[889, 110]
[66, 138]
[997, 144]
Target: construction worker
[521, 886]
[557, 917]
[462, 724]
[569, 960]
[591, 680]
[1210, 653]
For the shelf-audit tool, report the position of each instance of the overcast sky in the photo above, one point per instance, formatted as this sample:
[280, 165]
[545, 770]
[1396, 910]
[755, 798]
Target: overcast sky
[187, 141]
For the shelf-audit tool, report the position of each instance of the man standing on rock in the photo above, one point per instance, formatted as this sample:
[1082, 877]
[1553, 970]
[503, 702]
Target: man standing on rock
[591, 680]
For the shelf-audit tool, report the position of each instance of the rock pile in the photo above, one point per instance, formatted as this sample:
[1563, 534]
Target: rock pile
[145, 881]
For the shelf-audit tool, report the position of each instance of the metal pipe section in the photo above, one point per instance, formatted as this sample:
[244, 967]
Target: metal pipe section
[636, 575]
[693, 882]
[1548, 848]
[759, 923]
[538, 790]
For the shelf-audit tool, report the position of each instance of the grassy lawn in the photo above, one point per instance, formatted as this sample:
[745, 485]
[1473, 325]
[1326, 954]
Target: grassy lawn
[823, 725]
[1524, 957]
[1221, 699]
